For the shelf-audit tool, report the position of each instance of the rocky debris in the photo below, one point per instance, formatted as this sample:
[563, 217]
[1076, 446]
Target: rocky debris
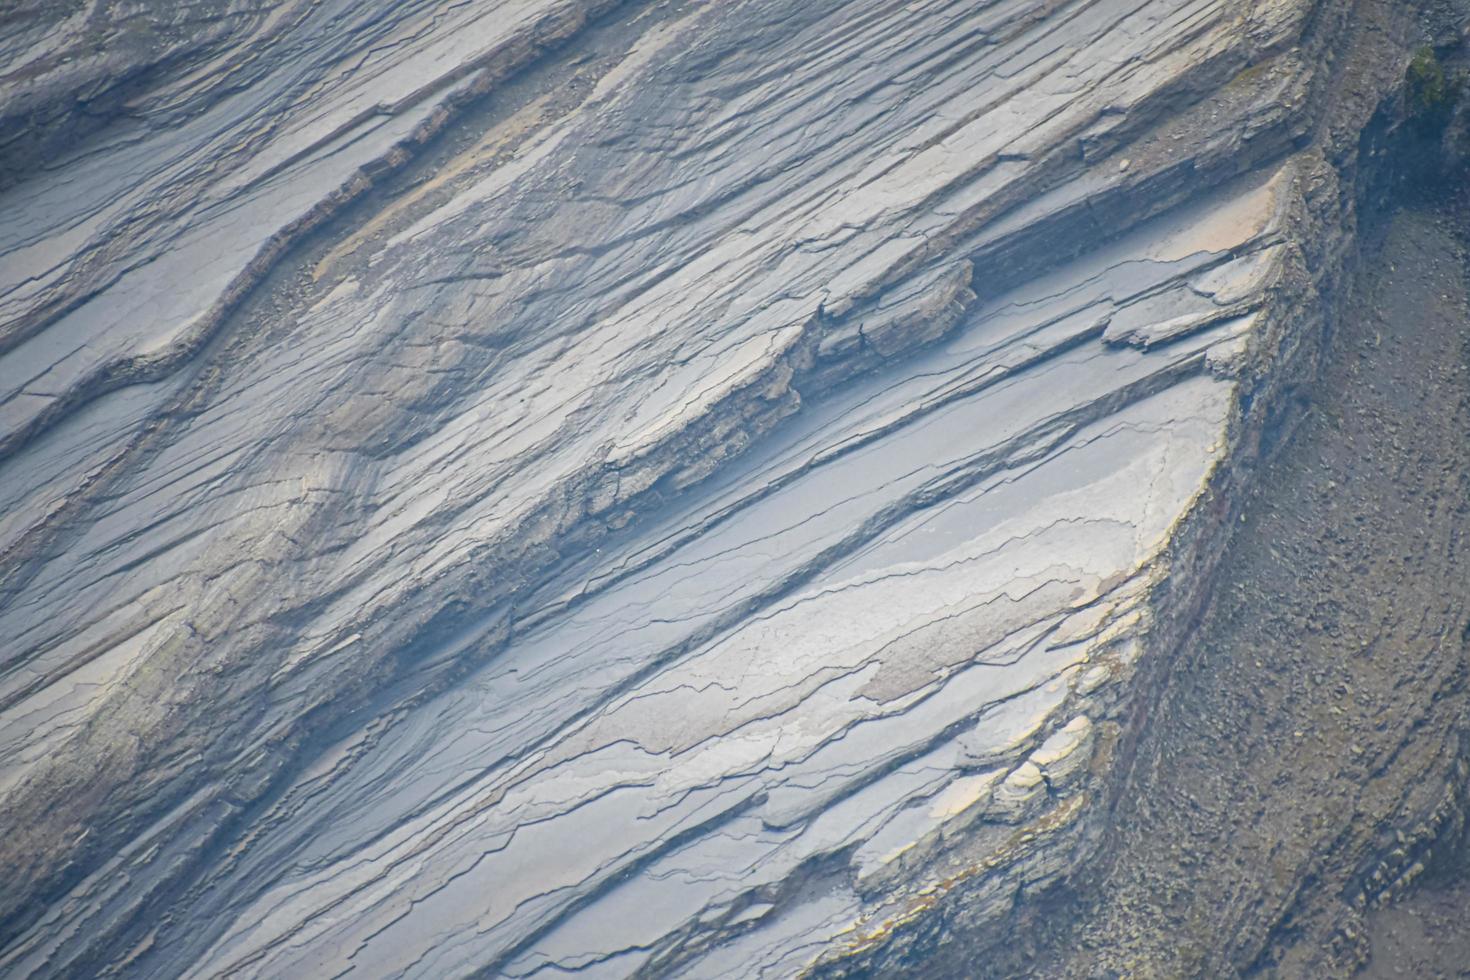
[1308, 765]
[678, 489]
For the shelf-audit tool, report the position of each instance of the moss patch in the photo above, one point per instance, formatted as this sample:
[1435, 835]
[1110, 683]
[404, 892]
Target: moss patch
[1430, 92]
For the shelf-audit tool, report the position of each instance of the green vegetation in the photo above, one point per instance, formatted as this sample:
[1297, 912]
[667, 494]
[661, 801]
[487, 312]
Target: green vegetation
[1431, 94]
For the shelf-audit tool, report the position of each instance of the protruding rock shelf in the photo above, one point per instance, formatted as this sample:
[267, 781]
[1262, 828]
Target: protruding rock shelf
[544, 487]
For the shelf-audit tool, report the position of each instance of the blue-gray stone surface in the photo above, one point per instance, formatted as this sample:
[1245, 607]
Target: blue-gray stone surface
[550, 487]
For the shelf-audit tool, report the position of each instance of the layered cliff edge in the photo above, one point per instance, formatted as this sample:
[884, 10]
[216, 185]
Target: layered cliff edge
[709, 490]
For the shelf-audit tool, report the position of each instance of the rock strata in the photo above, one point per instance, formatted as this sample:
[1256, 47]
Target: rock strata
[551, 487]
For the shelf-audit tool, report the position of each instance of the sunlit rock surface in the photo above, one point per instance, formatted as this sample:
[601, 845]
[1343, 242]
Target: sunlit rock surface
[545, 487]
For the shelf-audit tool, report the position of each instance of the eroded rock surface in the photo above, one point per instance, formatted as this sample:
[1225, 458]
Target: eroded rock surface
[540, 487]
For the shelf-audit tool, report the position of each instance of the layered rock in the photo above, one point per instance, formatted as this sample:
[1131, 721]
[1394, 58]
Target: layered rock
[542, 487]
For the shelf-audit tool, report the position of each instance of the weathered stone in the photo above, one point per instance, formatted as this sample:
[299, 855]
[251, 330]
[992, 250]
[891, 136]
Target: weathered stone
[563, 486]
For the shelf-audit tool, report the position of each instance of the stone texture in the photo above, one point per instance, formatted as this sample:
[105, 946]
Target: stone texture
[546, 487]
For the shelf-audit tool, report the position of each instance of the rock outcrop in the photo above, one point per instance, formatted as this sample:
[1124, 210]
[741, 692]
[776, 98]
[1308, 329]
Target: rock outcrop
[540, 486]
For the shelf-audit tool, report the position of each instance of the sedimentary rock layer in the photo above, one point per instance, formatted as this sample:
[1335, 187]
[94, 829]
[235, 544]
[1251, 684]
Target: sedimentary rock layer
[540, 487]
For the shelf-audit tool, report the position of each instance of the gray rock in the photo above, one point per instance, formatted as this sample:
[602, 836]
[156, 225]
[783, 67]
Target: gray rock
[553, 486]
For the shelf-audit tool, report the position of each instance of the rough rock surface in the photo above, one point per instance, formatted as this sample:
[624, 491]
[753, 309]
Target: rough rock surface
[1316, 749]
[540, 487]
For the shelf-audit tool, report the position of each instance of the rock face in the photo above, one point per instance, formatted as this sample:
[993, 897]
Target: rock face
[534, 487]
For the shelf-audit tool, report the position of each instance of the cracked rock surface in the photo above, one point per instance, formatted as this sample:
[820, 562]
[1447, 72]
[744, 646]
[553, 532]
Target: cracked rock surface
[543, 487]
